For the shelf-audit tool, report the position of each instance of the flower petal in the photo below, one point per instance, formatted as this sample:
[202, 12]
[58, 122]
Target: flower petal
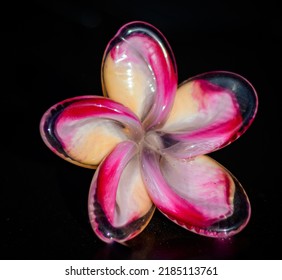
[119, 205]
[139, 71]
[210, 111]
[83, 130]
[198, 194]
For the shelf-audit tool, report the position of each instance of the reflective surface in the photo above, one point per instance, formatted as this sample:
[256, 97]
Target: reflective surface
[58, 55]
[147, 137]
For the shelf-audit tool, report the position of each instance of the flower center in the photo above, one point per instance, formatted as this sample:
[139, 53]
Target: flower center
[152, 140]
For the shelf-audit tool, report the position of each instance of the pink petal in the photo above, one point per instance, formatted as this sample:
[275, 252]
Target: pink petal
[119, 205]
[210, 111]
[83, 130]
[199, 194]
[139, 71]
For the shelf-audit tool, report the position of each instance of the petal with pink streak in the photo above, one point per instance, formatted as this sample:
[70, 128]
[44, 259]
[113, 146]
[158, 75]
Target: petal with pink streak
[83, 130]
[119, 205]
[198, 194]
[210, 111]
[139, 71]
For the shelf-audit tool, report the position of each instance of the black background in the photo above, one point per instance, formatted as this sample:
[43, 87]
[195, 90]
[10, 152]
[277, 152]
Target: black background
[57, 48]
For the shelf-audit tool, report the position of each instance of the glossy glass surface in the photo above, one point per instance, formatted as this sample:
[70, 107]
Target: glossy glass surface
[148, 139]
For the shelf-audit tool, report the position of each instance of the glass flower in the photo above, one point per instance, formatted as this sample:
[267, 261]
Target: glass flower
[148, 139]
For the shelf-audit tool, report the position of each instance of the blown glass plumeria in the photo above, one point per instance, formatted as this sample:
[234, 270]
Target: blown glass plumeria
[149, 138]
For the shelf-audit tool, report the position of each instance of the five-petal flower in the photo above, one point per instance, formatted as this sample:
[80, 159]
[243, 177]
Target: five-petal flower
[148, 140]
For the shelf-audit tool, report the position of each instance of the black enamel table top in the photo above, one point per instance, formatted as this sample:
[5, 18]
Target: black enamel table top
[58, 55]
